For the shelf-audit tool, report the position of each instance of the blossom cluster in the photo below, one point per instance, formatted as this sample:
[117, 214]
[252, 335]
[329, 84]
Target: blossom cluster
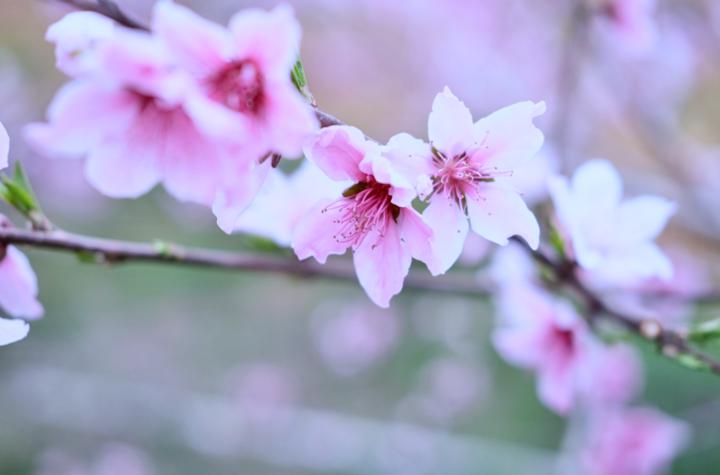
[203, 110]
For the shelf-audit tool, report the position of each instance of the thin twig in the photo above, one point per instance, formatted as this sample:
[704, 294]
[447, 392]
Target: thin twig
[112, 251]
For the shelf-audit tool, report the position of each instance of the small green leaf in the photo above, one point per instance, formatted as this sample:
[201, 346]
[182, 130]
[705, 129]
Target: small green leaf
[300, 80]
[705, 332]
[163, 248]
[691, 362]
[86, 257]
[557, 241]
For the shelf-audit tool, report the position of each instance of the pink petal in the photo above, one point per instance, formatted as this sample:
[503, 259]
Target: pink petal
[450, 125]
[316, 233]
[338, 151]
[450, 227]
[200, 46]
[216, 120]
[290, 120]
[557, 389]
[270, 38]
[497, 213]
[596, 185]
[244, 183]
[382, 261]
[412, 159]
[82, 115]
[417, 235]
[12, 331]
[508, 136]
[18, 286]
[4, 147]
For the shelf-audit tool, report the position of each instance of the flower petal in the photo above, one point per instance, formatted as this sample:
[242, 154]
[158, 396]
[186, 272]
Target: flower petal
[450, 125]
[18, 286]
[4, 147]
[12, 331]
[382, 261]
[596, 185]
[450, 228]
[497, 213]
[317, 234]
[338, 151]
[200, 45]
[417, 235]
[271, 38]
[643, 218]
[241, 188]
[508, 136]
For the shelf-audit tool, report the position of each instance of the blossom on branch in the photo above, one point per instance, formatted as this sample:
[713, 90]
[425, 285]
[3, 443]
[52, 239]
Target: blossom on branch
[12, 331]
[610, 238]
[374, 217]
[464, 173]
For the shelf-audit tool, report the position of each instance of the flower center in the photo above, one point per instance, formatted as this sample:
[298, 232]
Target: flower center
[366, 206]
[239, 87]
[457, 175]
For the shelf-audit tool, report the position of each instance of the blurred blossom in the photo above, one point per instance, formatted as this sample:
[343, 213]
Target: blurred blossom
[18, 284]
[12, 330]
[352, 338]
[286, 199]
[610, 238]
[474, 250]
[633, 441]
[113, 459]
[448, 390]
[540, 332]
[512, 267]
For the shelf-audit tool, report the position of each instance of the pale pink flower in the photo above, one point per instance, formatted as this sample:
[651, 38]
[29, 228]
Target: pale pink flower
[465, 172]
[353, 338]
[242, 89]
[284, 200]
[18, 285]
[631, 23]
[12, 331]
[125, 116]
[374, 217]
[638, 441]
[610, 375]
[4, 147]
[546, 335]
[611, 239]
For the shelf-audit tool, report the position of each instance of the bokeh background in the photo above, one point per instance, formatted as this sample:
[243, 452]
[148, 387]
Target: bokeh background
[146, 369]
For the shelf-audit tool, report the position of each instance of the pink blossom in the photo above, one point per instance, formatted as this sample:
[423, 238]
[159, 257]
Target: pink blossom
[632, 24]
[76, 37]
[544, 334]
[612, 239]
[242, 89]
[373, 217]
[18, 285]
[638, 441]
[465, 172]
[12, 331]
[124, 115]
[284, 200]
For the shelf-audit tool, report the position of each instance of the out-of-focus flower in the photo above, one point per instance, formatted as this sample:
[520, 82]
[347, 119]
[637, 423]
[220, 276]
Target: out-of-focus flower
[354, 338]
[18, 285]
[76, 37]
[12, 330]
[4, 147]
[113, 459]
[242, 89]
[631, 23]
[449, 388]
[611, 239]
[546, 335]
[464, 170]
[284, 200]
[637, 441]
[374, 216]
[610, 376]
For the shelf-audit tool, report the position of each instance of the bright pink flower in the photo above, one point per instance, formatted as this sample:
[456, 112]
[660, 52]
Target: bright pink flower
[242, 88]
[18, 285]
[632, 23]
[465, 172]
[124, 115]
[373, 217]
[12, 331]
[545, 335]
[639, 441]
[611, 239]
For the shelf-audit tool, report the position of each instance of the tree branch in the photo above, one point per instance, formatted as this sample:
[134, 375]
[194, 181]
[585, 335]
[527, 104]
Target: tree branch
[110, 251]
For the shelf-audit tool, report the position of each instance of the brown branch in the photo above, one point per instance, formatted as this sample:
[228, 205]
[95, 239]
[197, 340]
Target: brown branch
[106, 8]
[110, 251]
[669, 342]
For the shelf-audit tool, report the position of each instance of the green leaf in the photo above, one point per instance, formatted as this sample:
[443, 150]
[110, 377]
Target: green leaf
[691, 362]
[557, 241]
[705, 332]
[300, 80]
[18, 193]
